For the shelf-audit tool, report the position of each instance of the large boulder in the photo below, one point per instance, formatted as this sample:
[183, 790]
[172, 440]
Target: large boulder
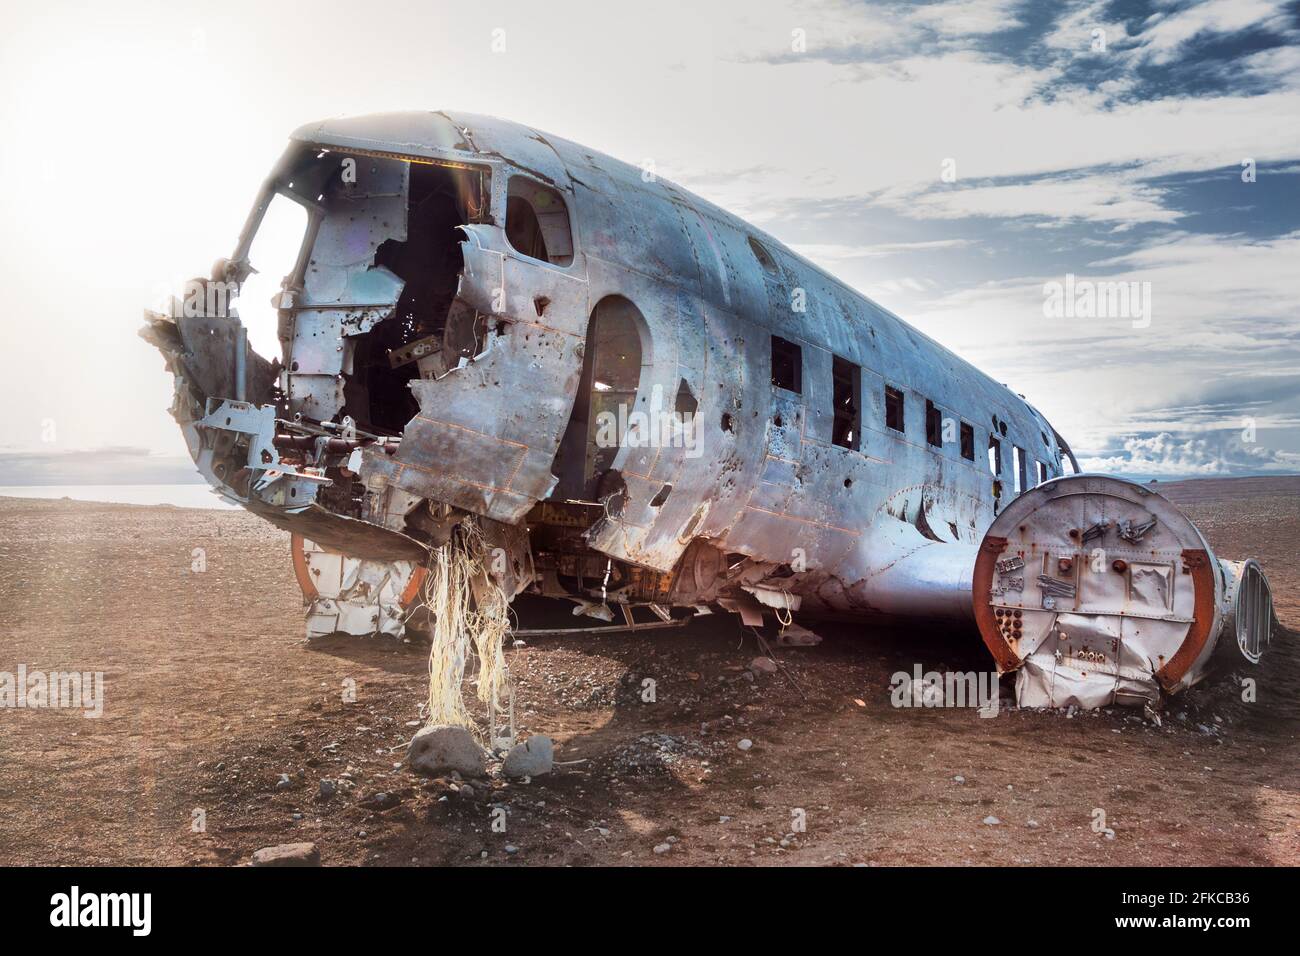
[532, 758]
[440, 749]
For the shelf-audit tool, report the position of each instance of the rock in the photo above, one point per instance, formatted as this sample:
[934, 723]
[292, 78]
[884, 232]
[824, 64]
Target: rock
[327, 789]
[379, 802]
[1032, 824]
[440, 749]
[793, 635]
[763, 665]
[532, 758]
[662, 848]
[959, 779]
[745, 744]
[288, 854]
[991, 821]
[284, 783]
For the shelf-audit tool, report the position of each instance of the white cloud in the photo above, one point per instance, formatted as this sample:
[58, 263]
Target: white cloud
[968, 17]
[1073, 31]
[1216, 454]
[1165, 33]
[826, 252]
[1121, 197]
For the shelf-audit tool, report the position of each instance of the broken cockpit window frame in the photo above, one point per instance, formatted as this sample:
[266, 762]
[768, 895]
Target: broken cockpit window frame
[272, 260]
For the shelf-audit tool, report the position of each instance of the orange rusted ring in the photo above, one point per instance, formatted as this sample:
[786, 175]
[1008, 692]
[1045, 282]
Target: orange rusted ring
[297, 545]
[413, 586]
[309, 591]
[981, 588]
[1199, 564]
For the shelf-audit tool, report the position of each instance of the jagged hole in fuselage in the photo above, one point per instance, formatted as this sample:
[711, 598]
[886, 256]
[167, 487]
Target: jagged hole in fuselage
[429, 262]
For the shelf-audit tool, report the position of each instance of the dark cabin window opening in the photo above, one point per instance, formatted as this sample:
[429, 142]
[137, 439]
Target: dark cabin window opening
[995, 456]
[933, 424]
[967, 442]
[846, 398]
[893, 409]
[787, 365]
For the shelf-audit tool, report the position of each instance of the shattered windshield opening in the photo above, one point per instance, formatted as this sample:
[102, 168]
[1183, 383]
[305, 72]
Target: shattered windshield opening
[272, 257]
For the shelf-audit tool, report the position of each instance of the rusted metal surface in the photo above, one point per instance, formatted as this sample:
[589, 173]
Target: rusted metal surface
[643, 399]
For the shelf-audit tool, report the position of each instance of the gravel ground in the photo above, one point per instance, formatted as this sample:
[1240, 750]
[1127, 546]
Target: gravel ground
[220, 722]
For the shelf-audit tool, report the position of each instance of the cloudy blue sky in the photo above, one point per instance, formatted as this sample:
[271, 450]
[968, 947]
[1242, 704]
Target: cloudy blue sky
[1100, 139]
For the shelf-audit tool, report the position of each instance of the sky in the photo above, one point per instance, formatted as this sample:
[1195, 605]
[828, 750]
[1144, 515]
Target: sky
[955, 161]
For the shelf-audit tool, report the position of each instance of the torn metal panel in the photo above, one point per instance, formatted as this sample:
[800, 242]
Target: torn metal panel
[352, 595]
[476, 444]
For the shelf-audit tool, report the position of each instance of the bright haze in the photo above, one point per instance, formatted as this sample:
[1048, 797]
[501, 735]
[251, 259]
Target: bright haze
[949, 159]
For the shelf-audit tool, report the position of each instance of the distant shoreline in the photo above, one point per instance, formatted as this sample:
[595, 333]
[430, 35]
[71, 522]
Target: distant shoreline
[182, 495]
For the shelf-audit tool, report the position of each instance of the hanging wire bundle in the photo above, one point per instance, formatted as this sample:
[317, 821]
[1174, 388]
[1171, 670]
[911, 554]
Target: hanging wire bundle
[471, 612]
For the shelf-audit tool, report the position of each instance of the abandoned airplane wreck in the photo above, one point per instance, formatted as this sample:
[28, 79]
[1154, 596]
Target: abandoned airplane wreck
[646, 403]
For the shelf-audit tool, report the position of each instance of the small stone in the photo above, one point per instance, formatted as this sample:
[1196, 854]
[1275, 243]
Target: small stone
[288, 854]
[511, 849]
[991, 821]
[327, 789]
[763, 665]
[959, 779]
[378, 802]
[1032, 824]
[662, 848]
[532, 758]
[284, 782]
[439, 749]
[745, 744]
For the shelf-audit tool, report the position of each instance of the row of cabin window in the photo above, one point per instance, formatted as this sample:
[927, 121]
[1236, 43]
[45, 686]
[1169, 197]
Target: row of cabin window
[787, 373]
